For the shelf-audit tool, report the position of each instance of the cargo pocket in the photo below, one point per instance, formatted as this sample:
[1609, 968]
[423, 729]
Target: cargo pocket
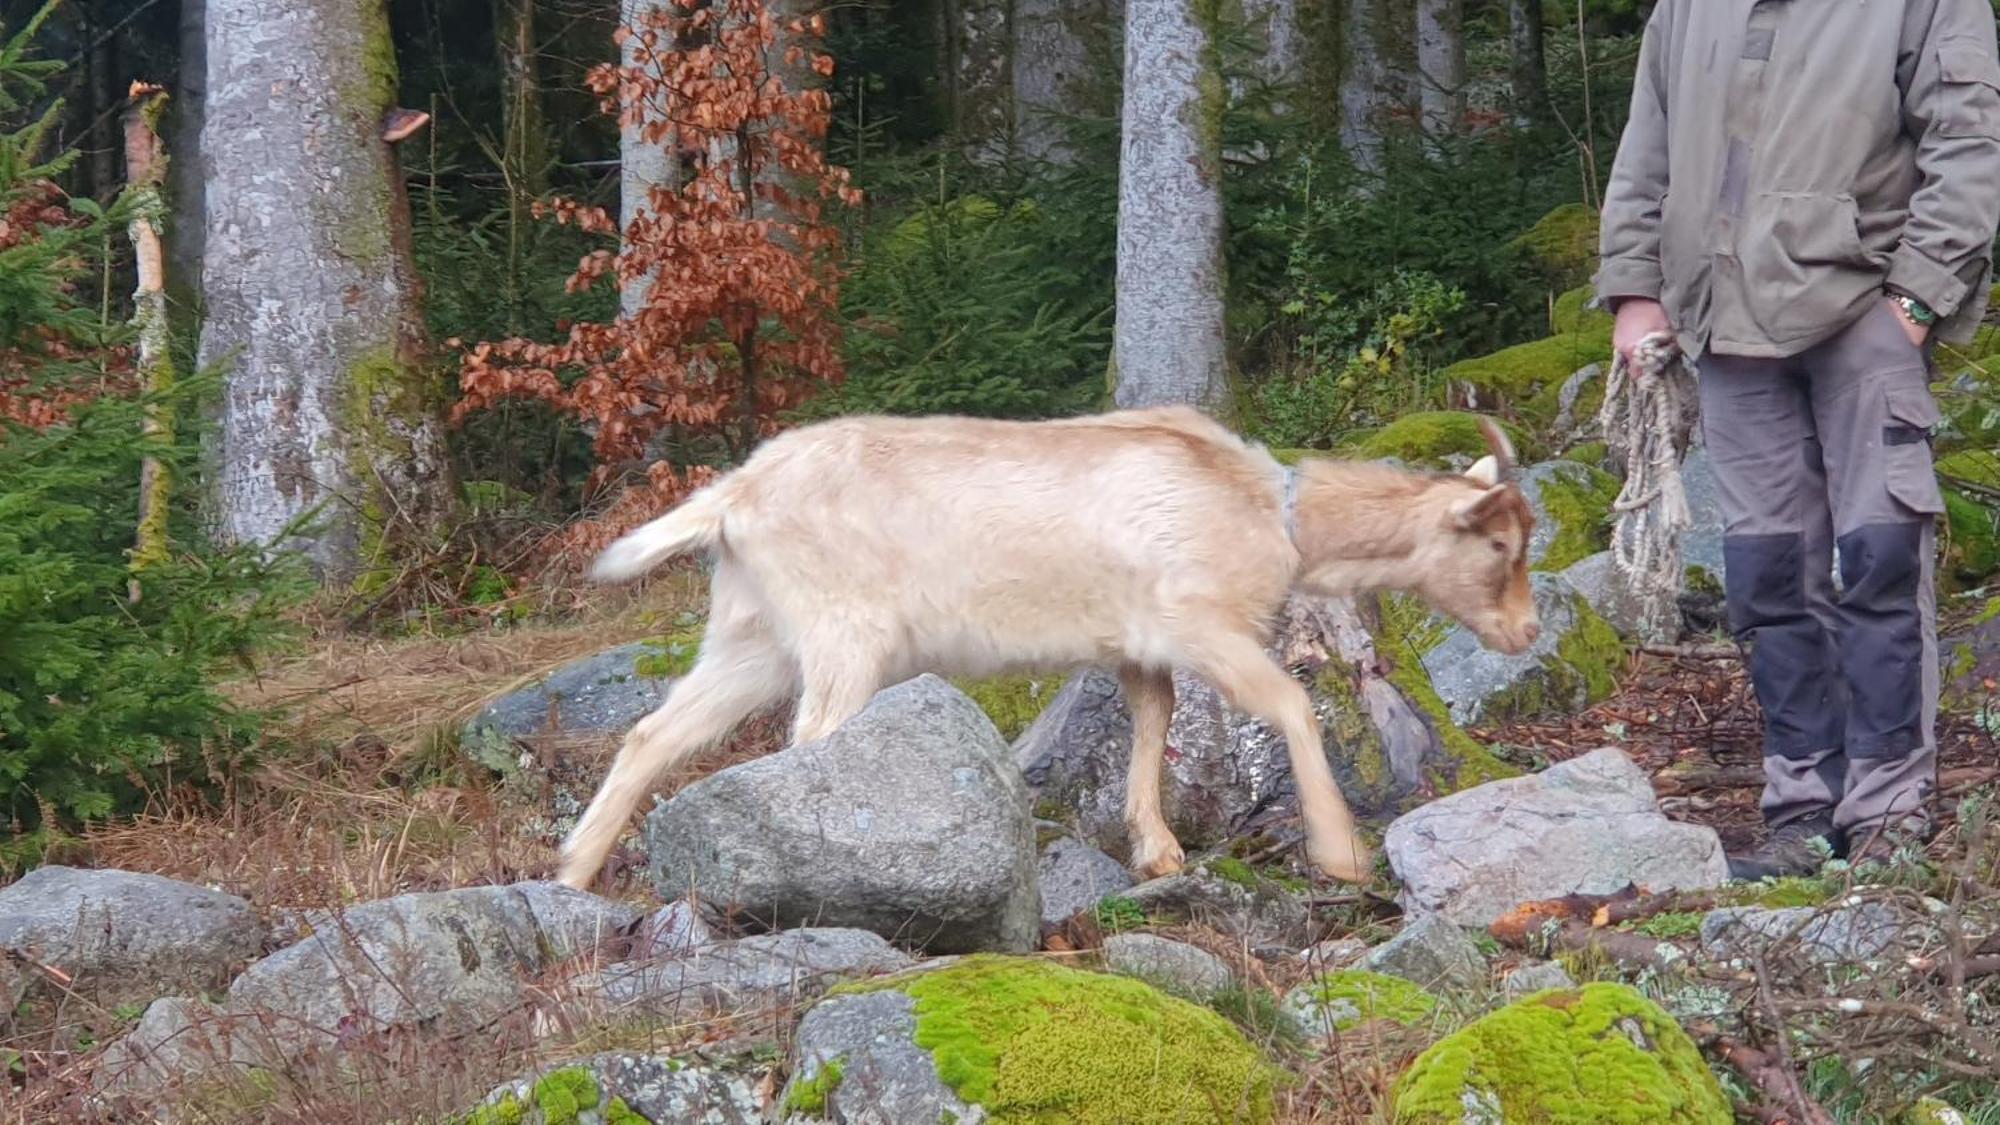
[1968, 90]
[1794, 244]
[1906, 449]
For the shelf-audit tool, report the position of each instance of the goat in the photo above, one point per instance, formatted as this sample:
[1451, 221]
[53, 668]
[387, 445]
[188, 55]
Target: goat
[855, 553]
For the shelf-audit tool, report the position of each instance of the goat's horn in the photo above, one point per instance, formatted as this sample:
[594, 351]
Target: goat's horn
[1503, 450]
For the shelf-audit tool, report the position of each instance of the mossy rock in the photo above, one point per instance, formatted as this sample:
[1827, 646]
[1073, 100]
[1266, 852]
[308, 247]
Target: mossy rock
[560, 1097]
[1527, 379]
[1593, 453]
[1933, 1111]
[1573, 314]
[1572, 665]
[1594, 1055]
[1351, 997]
[1029, 1040]
[1563, 242]
[1012, 702]
[1572, 503]
[1431, 437]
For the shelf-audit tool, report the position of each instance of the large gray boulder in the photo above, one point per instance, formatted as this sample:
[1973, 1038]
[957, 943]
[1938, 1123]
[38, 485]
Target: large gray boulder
[1590, 825]
[177, 1039]
[1229, 776]
[1572, 504]
[659, 1089]
[757, 971]
[1810, 935]
[1572, 664]
[1074, 876]
[602, 695]
[123, 938]
[911, 820]
[448, 961]
[878, 1075]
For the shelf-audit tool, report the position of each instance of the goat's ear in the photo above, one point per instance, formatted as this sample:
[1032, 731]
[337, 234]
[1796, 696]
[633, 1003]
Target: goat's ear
[1475, 510]
[1486, 471]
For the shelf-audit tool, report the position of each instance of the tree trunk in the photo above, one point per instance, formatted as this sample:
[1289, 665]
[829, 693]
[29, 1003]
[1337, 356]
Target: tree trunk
[1441, 64]
[1283, 59]
[1530, 67]
[524, 148]
[187, 229]
[312, 302]
[645, 156]
[103, 139]
[1364, 79]
[1169, 345]
[982, 59]
[145, 165]
[1051, 71]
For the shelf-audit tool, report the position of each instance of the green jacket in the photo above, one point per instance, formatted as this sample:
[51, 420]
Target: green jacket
[1786, 160]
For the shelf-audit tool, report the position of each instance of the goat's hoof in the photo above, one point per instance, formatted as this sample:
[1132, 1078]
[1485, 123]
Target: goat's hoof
[1349, 863]
[1155, 863]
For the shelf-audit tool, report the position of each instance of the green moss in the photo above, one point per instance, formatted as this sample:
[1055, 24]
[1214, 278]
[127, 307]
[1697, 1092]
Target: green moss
[1972, 543]
[378, 59]
[1591, 453]
[1565, 1056]
[1581, 513]
[1292, 457]
[1583, 670]
[1233, 870]
[1347, 726]
[1987, 612]
[1428, 437]
[1402, 640]
[809, 1097]
[1352, 997]
[1116, 913]
[1573, 314]
[1528, 377]
[1033, 1041]
[672, 654]
[1564, 241]
[1012, 702]
[562, 1095]
[1933, 1111]
[507, 1111]
[1670, 926]
[1779, 894]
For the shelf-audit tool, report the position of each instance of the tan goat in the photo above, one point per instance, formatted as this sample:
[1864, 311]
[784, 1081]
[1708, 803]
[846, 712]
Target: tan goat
[853, 554]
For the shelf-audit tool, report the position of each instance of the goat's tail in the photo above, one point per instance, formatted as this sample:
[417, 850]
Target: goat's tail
[695, 523]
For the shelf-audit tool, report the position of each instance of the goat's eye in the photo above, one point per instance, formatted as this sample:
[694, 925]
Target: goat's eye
[1499, 546]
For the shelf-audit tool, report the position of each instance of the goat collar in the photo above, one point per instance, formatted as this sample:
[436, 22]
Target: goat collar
[1289, 505]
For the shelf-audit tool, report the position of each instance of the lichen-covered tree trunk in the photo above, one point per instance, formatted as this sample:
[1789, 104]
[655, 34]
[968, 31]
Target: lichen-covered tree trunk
[145, 168]
[1283, 59]
[644, 162]
[1529, 69]
[1051, 70]
[982, 59]
[311, 300]
[1168, 345]
[1441, 64]
[1364, 80]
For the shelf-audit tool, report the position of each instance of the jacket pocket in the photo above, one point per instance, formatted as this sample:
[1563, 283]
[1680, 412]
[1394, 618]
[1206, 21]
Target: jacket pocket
[1910, 412]
[1968, 90]
[1794, 243]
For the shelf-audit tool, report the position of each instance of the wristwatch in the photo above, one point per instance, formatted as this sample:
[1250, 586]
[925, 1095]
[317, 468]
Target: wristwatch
[1918, 312]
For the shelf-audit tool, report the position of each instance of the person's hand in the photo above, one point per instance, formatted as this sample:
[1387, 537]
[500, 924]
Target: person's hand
[1637, 318]
[1917, 333]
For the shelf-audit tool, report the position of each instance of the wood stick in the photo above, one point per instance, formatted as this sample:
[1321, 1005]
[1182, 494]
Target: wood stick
[145, 170]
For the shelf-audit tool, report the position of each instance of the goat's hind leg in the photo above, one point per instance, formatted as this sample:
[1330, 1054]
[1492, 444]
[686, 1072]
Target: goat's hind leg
[740, 671]
[1149, 696]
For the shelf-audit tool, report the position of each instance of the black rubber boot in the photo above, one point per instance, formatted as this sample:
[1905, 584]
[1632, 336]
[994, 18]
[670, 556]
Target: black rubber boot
[1799, 848]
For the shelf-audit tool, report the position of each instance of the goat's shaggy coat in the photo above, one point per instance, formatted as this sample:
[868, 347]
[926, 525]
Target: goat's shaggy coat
[856, 553]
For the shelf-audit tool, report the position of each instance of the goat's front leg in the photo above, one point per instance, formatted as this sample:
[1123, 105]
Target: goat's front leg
[1149, 695]
[1254, 683]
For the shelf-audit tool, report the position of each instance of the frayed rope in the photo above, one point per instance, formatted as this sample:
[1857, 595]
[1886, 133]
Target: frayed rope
[1648, 419]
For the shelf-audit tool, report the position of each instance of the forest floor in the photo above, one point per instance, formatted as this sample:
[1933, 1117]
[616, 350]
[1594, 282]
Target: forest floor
[366, 795]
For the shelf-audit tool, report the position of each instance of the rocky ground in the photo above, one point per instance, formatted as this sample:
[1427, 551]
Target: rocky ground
[926, 917]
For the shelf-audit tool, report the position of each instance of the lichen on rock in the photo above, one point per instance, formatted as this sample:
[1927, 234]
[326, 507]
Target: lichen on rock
[1596, 1054]
[1348, 998]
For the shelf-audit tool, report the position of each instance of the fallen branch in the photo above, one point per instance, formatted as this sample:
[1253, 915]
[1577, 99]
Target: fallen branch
[1694, 652]
[1772, 1080]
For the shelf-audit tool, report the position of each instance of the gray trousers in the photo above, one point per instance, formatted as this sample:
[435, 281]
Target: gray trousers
[1831, 448]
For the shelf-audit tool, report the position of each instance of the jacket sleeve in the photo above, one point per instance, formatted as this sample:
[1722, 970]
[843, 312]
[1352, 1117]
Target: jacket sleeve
[1951, 105]
[1629, 228]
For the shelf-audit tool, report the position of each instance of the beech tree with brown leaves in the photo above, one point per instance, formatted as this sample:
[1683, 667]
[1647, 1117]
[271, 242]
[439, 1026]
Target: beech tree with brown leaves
[739, 265]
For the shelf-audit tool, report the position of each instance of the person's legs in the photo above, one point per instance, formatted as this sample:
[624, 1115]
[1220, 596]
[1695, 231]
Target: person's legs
[1758, 424]
[1872, 403]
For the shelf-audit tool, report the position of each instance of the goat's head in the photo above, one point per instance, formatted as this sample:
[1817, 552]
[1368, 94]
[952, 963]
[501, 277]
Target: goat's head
[1473, 550]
